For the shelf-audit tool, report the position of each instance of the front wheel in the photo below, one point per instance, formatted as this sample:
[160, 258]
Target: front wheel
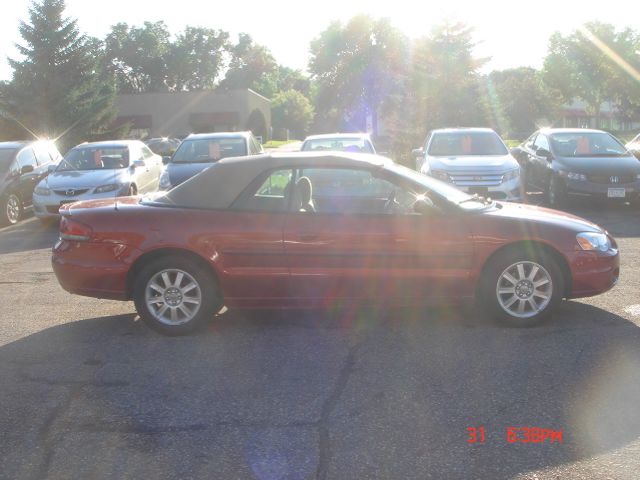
[521, 289]
[556, 193]
[175, 296]
[11, 210]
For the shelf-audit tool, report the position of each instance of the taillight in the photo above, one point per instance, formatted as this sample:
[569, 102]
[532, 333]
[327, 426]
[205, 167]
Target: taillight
[74, 230]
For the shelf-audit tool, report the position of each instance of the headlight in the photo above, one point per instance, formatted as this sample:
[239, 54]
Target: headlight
[593, 241]
[511, 174]
[581, 177]
[440, 175]
[165, 181]
[42, 191]
[107, 188]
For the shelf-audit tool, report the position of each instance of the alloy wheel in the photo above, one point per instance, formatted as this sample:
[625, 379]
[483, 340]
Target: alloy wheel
[173, 297]
[13, 208]
[524, 289]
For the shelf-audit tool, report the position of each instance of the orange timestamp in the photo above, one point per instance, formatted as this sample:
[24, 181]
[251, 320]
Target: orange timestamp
[518, 435]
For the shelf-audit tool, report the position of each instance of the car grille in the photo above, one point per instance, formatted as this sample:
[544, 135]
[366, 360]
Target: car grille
[609, 179]
[476, 179]
[71, 192]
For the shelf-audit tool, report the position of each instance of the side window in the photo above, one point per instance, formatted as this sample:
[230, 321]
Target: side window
[349, 191]
[146, 152]
[541, 142]
[42, 154]
[271, 194]
[27, 157]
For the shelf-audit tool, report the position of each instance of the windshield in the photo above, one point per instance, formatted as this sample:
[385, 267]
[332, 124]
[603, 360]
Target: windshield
[357, 145]
[444, 190]
[209, 149]
[586, 144]
[6, 156]
[464, 143]
[95, 158]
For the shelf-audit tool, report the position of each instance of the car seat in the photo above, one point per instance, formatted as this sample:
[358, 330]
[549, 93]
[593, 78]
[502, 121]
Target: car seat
[303, 195]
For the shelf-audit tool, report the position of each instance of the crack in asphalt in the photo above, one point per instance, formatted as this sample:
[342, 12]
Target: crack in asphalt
[329, 405]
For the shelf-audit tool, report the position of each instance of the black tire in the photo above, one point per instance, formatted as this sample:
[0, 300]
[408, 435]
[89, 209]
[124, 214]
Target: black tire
[492, 303]
[10, 209]
[210, 299]
[556, 193]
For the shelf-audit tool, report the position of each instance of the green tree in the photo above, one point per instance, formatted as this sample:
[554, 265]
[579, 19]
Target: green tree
[138, 56]
[251, 66]
[58, 87]
[360, 70]
[195, 58]
[591, 64]
[445, 80]
[291, 110]
[518, 101]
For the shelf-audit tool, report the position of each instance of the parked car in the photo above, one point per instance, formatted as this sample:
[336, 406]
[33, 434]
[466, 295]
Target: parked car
[199, 151]
[98, 170]
[306, 230]
[634, 146]
[22, 166]
[339, 142]
[475, 160]
[163, 146]
[563, 162]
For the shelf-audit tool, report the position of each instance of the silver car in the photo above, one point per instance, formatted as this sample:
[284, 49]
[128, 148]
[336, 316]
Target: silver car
[475, 160]
[98, 170]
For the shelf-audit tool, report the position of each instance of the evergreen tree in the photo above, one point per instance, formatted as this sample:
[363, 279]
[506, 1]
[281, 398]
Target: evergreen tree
[59, 87]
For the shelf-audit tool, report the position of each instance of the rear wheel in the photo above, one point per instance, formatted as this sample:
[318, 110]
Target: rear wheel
[521, 289]
[11, 209]
[175, 296]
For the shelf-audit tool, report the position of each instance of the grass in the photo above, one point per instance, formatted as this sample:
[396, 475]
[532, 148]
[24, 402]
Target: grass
[277, 143]
[512, 143]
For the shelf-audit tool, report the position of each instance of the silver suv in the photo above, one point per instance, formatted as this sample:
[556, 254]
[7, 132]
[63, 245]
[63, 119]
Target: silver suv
[475, 160]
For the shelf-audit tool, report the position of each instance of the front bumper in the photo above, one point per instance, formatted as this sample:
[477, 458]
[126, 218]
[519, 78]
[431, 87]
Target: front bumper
[48, 206]
[587, 188]
[593, 272]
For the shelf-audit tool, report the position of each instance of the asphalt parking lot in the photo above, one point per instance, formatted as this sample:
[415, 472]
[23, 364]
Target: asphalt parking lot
[90, 392]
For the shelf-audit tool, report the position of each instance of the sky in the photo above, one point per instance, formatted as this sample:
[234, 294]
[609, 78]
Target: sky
[511, 32]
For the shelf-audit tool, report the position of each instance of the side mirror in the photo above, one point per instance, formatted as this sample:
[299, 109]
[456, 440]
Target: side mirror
[51, 168]
[544, 153]
[424, 206]
[26, 169]
[165, 160]
[417, 152]
[139, 163]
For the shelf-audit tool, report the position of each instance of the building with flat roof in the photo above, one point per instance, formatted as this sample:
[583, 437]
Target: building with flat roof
[177, 114]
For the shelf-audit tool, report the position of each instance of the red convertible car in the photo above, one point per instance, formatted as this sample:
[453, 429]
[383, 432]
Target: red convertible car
[307, 230]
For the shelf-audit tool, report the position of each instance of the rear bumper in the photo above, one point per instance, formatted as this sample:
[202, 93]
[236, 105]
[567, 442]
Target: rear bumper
[593, 273]
[95, 270]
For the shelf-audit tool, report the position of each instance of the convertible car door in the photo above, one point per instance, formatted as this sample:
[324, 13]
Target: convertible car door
[358, 237]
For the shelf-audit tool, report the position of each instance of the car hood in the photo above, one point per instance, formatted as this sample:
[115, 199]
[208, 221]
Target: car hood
[475, 163]
[179, 172]
[86, 178]
[599, 165]
[533, 214]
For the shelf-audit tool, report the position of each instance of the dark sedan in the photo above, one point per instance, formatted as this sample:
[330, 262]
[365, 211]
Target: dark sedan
[563, 162]
[309, 230]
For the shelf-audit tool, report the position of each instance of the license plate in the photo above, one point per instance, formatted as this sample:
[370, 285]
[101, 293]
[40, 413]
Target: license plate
[616, 193]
